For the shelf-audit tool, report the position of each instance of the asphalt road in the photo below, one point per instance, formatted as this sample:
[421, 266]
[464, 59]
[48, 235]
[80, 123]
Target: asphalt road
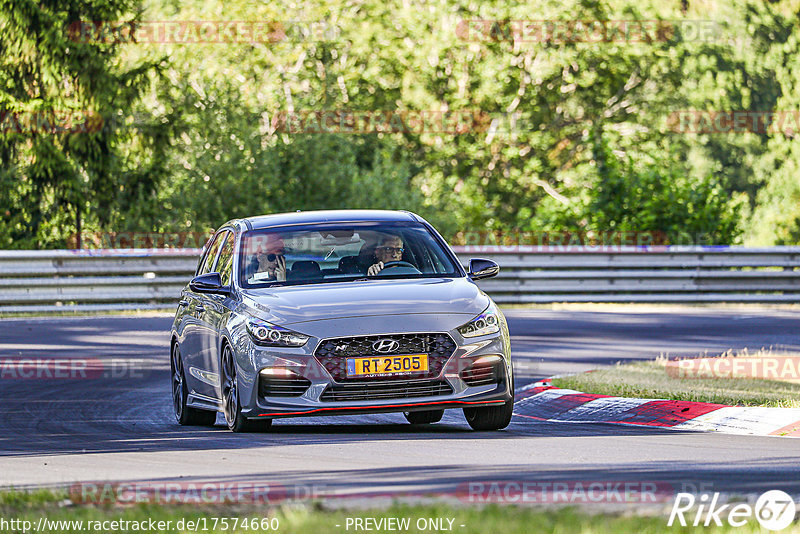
[118, 424]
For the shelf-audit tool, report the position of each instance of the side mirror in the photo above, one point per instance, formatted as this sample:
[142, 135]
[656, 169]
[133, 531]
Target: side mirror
[480, 268]
[208, 283]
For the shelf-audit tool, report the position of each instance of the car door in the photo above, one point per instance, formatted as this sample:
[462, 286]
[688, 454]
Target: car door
[193, 345]
[212, 320]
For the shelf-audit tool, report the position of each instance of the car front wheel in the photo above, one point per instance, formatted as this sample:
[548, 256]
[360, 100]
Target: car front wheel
[491, 417]
[230, 398]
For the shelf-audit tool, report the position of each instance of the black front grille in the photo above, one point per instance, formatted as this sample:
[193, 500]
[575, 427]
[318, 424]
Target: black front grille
[332, 353]
[481, 374]
[283, 386]
[386, 389]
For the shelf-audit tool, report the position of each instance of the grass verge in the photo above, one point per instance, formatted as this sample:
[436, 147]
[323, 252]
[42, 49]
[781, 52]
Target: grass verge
[318, 520]
[650, 380]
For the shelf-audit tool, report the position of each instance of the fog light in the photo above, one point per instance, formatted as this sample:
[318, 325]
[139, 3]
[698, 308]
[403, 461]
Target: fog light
[277, 372]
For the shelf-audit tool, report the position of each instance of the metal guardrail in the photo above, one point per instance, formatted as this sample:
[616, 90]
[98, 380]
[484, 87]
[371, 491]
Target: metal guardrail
[643, 274]
[44, 281]
[88, 280]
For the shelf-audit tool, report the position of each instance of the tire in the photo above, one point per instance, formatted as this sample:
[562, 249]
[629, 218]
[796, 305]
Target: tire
[424, 418]
[185, 415]
[491, 417]
[232, 408]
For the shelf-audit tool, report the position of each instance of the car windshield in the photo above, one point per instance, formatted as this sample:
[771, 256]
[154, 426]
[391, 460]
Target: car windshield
[342, 252]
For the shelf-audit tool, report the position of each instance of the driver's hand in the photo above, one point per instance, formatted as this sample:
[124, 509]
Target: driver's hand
[375, 269]
[280, 269]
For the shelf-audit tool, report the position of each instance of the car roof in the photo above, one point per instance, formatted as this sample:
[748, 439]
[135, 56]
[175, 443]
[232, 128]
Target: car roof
[327, 216]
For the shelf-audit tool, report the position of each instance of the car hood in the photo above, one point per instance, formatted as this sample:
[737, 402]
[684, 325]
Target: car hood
[365, 298]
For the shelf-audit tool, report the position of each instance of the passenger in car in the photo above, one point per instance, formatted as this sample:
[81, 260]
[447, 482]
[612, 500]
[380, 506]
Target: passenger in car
[389, 249]
[270, 261]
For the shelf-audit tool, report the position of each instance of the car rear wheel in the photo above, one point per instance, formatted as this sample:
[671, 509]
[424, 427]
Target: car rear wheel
[424, 418]
[185, 415]
[230, 398]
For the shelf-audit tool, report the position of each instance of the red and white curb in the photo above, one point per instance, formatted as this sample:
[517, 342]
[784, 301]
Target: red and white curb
[544, 402]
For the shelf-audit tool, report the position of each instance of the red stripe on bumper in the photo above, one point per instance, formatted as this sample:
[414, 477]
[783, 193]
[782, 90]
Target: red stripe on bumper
[381, 406]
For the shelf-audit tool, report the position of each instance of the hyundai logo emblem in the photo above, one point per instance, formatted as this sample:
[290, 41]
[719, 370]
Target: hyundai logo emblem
[386, 345]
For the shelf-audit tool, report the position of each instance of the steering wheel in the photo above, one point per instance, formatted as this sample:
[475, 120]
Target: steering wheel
[390, 264]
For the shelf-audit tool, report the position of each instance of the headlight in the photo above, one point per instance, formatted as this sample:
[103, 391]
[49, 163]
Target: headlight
[486, 323]
[270, 335]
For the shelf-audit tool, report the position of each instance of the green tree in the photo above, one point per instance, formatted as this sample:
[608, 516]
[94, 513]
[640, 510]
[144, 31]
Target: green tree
[658, 202]
[61, 170]
[776, 217]
[192, 141]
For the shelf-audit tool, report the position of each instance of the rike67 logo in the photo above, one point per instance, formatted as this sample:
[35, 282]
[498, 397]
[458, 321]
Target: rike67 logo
[774, 510]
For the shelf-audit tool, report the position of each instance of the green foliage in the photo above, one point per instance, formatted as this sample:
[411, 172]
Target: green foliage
[58, 166]
[190, 140]
[629, 197]
[776, 219]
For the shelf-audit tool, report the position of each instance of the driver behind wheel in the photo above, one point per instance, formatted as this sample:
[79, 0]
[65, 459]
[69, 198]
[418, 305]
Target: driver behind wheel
[389, 249]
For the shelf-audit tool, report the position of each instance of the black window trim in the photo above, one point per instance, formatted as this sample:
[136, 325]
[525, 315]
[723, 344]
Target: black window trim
[203, 255]
[211, 242]
[232, 236]
[460, 272]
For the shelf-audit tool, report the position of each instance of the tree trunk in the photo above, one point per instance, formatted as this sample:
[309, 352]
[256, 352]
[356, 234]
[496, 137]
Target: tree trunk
[78, 225]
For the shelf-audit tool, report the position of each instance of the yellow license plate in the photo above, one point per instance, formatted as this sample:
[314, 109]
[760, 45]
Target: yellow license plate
[387, 365]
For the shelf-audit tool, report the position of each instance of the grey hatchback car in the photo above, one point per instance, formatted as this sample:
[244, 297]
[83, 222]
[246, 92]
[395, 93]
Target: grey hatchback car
[338, 312]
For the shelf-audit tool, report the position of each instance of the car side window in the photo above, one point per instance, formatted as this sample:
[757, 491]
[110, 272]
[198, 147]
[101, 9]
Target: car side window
[203, 255]
[211, 254]
[225, 262]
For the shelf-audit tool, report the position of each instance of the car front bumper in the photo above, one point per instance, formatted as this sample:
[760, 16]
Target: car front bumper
[455, 388]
